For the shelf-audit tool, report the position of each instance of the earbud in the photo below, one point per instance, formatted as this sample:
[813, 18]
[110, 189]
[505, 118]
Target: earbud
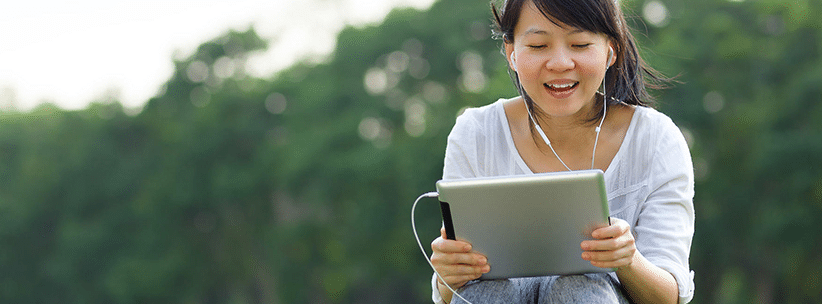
[513, 62]
[610, 56]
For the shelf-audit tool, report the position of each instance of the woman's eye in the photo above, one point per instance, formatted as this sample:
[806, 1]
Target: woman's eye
[537, 47]
[581, 45]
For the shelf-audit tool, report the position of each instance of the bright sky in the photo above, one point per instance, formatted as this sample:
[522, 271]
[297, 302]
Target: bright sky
[71, 52]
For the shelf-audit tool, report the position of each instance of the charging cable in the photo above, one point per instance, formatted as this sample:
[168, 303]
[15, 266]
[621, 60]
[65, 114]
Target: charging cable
[414, 227]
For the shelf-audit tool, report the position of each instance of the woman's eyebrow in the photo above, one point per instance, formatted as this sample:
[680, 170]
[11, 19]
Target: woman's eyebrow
[535, 31]
[538, 31]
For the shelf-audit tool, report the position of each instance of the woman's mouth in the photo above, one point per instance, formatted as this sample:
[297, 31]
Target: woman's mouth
[561, 90]
[561, 87]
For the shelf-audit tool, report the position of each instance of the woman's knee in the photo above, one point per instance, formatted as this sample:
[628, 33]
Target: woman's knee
[515, 290]
[588, 288]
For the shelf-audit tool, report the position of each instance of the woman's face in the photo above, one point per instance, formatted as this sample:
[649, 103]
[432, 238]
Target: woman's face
[560, 67]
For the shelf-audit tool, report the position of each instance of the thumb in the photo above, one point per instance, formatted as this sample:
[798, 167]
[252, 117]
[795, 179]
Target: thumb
[442, 232]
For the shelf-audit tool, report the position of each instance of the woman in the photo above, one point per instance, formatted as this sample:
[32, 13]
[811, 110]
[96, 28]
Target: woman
[559, 54]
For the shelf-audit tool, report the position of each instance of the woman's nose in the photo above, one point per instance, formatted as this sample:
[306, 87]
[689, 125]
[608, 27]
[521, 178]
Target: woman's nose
[559, 60]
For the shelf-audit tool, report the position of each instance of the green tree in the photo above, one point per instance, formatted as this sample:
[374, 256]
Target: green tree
[297, 188]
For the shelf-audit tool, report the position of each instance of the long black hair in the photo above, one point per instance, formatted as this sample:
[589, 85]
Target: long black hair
[626, 81]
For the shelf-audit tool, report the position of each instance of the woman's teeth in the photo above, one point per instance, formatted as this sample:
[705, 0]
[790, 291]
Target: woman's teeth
[564, 86]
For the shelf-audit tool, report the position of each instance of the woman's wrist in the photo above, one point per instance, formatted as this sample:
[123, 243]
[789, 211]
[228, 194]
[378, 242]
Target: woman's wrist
[636, 260]
[445, 292]
[436, 292]
[647, 283]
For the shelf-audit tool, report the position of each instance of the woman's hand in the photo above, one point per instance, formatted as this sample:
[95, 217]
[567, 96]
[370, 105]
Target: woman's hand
[613, 246]
[456, 263]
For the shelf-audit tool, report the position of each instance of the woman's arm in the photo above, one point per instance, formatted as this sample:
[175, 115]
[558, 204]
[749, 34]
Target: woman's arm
[614, 247]
[663, 229]
[647, 283]
[454, 259]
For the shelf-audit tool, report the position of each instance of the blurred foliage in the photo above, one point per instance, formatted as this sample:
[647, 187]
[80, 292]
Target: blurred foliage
[297, 189]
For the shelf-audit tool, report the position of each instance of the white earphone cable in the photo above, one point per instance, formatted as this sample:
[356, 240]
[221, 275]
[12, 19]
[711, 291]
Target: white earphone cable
[545, 138]
[416, 236]
[597, 129]
[604, 111]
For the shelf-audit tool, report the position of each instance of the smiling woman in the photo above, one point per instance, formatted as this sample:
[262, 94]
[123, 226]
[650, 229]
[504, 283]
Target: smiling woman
[543, 52]
[68, 53]
[559, 54]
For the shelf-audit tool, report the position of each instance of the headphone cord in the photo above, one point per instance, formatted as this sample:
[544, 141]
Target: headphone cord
[414, 227]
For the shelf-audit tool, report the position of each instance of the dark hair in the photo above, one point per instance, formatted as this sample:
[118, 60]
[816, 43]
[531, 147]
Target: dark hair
[626, 80]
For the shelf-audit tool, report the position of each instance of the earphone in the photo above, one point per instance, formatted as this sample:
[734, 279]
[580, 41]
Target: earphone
[610, 57]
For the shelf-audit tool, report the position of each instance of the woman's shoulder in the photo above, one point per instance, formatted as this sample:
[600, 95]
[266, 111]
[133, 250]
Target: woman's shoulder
[483, 117]
[651, 134]
[657, 133]
[475, 137]
[650, 121]
[482, 112]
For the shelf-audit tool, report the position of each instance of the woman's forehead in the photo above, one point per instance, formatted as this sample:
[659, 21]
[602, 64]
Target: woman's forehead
[531, 14]
[537, 24]
[533, 22]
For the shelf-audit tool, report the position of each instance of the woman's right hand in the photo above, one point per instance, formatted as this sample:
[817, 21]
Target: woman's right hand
[456, 263]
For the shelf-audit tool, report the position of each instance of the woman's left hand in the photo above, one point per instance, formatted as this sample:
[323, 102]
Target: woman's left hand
[612, 247]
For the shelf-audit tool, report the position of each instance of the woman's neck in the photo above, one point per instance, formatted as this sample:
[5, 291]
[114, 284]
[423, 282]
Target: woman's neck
[573, 140]
[568, 130]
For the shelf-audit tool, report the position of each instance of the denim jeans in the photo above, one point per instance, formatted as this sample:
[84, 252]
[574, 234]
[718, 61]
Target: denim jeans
[589, 288]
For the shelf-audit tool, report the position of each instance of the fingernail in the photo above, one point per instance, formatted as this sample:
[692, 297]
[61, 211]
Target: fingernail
[483, 260]
[486, 269]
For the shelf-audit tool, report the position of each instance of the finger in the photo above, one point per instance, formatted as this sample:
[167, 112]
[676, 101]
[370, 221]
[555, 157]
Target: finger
[609, 244]
[471, 259]
[445, 245]
[462, 270]
[624, 254]
[457, 279]
[618, 227]
[457, 275]
[607, 256]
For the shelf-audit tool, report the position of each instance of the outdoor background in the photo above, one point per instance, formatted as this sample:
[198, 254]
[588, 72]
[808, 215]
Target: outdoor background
[297, 187]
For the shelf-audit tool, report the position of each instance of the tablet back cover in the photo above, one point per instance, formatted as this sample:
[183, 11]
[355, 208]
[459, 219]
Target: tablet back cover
[528, 225]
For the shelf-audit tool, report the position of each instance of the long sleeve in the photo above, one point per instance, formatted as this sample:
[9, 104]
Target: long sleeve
[665, 224]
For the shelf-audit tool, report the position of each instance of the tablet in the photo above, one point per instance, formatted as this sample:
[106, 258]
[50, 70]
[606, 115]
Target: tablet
[527, 225]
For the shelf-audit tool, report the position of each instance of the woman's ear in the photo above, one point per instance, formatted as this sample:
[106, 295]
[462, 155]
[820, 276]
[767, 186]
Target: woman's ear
[510, 56]
[612, 56]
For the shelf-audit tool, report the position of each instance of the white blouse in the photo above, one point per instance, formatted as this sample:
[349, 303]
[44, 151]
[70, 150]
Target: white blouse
[649, 183]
